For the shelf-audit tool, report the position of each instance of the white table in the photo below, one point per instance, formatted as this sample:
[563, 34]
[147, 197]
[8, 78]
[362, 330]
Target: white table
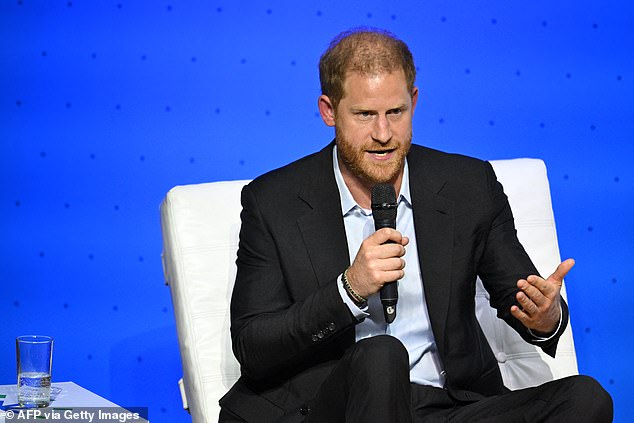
[64, 395]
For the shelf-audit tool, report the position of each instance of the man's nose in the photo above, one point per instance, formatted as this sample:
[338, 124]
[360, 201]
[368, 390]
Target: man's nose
[382, 132]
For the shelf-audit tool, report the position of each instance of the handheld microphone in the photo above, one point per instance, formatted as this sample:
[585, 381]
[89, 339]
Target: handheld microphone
[384, 213]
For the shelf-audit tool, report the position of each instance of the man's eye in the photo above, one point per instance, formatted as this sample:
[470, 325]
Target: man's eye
[396, 111]
[364, 115]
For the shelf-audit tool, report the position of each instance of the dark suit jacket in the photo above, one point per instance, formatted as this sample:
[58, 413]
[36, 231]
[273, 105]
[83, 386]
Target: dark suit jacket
[288, 323]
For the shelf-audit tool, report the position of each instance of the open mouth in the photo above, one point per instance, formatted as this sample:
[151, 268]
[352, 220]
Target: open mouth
[381, 153]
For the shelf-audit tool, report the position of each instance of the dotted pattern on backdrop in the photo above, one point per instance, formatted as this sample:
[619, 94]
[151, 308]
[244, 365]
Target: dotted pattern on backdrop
[106, 105]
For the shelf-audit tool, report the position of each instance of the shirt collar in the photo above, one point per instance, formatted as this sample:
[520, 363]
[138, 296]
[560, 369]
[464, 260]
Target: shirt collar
[347, 201]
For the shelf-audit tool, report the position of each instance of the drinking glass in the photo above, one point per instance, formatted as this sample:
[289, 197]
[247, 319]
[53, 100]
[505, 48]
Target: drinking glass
[35, 359]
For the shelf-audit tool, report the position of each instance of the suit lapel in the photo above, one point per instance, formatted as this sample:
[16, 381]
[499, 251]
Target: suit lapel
[433, 222]
[322, 227]
[324, 235]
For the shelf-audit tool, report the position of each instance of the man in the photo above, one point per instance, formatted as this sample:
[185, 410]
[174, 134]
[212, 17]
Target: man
[307, 325]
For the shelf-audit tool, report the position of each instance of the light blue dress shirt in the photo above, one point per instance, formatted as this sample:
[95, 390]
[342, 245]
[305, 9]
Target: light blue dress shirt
[411, 326]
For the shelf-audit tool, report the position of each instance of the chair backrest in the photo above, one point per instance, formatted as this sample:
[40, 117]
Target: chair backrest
[200, 226]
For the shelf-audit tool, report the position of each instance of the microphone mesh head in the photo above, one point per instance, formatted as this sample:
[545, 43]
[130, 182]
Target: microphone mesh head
[384, 202]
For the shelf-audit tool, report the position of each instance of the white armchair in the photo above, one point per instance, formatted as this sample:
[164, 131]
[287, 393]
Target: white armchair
[200, 239]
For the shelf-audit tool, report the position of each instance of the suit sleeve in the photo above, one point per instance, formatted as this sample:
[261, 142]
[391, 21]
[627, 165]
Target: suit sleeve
[272, 331]
[504, 261]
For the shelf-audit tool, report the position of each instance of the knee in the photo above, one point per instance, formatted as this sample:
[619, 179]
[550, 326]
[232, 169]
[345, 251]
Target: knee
[380, 364]
[589, 394]
[588, 387]
[383, 349]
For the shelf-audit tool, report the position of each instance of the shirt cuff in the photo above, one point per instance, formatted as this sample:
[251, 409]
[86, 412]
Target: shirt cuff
[548, 338]
[358, 313]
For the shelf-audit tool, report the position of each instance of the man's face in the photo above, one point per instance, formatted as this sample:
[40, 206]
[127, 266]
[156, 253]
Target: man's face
[373, 127]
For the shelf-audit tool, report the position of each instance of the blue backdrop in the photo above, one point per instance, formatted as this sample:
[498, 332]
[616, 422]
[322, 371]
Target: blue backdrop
[105, 105]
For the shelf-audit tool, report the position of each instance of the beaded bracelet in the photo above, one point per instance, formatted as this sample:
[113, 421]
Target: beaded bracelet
[356, 297]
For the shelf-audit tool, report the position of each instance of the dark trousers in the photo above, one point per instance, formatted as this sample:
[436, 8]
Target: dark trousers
[371, 384]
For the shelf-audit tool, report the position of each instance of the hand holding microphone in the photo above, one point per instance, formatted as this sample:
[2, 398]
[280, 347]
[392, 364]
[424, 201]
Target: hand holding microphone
[379, 264]
[384, 212]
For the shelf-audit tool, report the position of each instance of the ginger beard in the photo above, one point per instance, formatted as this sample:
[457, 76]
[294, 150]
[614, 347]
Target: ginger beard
[356, 159]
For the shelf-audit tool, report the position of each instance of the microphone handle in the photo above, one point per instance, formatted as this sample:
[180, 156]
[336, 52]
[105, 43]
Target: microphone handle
[389, 292]
[389, 298]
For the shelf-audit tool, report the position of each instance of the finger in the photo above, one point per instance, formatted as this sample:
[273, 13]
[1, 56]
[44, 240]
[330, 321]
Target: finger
[404, 241]
[561, 271]
[520, 315]
[386, 276]
[384, 235]
[535, 290]
[390, 270]
[386, 251]
[390, 264]
[393, 276]
[548, 288]
[528, 306]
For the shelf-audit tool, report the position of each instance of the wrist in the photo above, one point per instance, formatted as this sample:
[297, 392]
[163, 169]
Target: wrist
[545, 336]
[358, 299]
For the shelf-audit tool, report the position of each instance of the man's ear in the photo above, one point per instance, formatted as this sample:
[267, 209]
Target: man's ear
[326, 110]
[414, 99]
